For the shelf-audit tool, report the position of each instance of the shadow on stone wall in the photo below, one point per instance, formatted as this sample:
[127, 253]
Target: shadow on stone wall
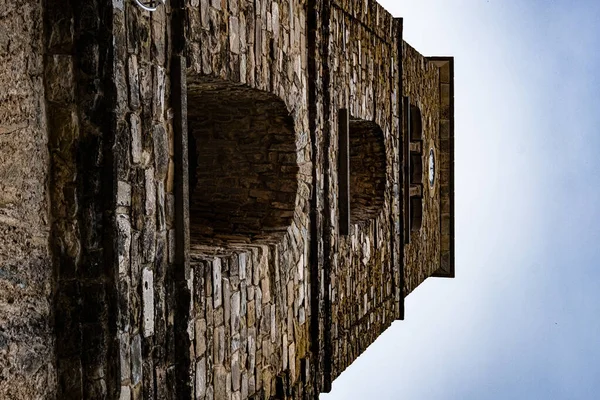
[367, 170]
[243, 168]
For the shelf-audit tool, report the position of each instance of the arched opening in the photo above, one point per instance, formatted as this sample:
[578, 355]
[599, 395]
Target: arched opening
[243, 168]
[416, 123]
[367, 170]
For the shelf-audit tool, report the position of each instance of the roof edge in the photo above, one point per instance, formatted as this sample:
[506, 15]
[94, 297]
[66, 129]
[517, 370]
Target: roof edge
[447, 256]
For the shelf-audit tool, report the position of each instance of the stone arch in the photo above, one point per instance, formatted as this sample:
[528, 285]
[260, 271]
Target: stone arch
[243, 167]
[367, 170]
[416, 123]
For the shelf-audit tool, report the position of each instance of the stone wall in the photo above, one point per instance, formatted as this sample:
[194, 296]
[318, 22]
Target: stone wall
[251, 301]
[112, 195]
[177, 226]
[364, 266]
[146, 279]
[77, 75]
[27, 368]
[421, 85]
[446, 164]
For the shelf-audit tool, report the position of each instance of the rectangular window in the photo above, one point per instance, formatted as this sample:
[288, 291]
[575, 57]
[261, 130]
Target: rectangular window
[344, 171]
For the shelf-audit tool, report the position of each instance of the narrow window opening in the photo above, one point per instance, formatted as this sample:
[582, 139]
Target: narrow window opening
[416, 123]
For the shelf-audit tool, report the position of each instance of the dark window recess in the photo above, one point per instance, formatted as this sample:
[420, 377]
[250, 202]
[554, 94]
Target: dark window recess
[280, 387]
[416, 213]
[243, 168]
[367, 170]
[344, 171]
[416, 123]
[406, 150]
[416, 168]
[414, 150]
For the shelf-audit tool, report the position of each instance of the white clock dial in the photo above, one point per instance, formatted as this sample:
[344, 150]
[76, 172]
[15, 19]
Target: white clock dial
[431, 167]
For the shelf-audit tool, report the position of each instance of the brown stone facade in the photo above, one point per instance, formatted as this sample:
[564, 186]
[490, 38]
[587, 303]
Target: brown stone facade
[421, 86]
[170, 198]
[364, 266]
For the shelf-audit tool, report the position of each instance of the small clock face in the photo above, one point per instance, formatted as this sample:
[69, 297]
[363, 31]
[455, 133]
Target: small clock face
[431, 167]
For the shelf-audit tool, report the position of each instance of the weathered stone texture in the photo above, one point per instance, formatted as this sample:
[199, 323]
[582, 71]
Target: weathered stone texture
[77, 81]
[177, 225]
[260, 45]
[27, 368]
[257, 330]
[446, 165]
[364, 277]
[421, 84]
[144, 162]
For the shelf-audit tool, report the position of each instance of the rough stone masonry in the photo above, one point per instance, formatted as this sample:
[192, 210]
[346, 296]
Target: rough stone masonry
[221, 199]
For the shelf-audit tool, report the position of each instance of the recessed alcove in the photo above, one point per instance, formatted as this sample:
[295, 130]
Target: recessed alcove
[367, 170]
[416, 168]
[416, 123]
[416, 213]
[243, 167]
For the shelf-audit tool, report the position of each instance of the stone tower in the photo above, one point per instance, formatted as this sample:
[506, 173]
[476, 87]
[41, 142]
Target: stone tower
[218, 199]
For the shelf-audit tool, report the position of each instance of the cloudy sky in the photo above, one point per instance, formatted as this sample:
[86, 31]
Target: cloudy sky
[522, 318]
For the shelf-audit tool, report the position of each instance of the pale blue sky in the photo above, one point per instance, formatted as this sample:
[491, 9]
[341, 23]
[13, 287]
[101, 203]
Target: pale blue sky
[521, 320]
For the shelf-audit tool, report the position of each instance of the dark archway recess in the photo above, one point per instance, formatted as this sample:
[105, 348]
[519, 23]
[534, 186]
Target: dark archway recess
[416, 123]
[243, 166]
[367, 170]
